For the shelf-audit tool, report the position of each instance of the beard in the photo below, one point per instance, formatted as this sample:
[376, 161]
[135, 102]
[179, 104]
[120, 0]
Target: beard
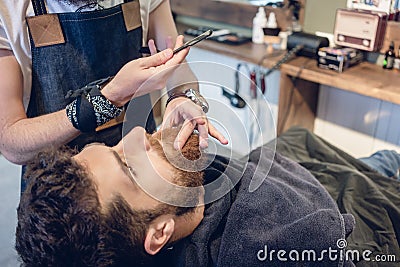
[188, 162]
[188, 167]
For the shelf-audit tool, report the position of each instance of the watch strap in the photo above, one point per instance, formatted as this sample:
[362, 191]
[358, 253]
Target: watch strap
[194, 96]
[176, 95]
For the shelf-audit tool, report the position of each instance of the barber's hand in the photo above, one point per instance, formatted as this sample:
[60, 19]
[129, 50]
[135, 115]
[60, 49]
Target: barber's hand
[182, 111]
[133, 79]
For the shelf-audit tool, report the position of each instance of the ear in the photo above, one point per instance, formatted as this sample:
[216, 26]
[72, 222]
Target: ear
[158, 234]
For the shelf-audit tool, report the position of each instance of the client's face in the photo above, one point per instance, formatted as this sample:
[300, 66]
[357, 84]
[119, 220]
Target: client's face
[116, 170]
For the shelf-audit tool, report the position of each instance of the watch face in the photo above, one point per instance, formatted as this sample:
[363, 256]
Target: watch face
[197, 99]
[191, 93]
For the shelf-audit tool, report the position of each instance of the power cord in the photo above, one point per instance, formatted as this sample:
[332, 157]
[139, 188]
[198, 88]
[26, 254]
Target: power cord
[288, 56]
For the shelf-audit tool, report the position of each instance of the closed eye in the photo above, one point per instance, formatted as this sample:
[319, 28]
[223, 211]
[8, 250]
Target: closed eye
[128, 170]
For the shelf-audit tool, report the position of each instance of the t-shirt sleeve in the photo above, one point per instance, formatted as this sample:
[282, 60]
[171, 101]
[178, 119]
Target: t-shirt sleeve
[4, 42]
[154, 4]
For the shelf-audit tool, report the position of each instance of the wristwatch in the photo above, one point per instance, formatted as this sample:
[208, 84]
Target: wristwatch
[192, 95]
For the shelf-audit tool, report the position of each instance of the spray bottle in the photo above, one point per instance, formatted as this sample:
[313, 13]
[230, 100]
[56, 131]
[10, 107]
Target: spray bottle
[259, 22]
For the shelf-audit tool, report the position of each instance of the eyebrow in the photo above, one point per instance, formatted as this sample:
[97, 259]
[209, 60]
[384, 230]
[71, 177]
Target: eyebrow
[125, 168]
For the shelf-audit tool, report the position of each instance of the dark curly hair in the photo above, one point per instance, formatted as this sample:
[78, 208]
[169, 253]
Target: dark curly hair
[61, 221]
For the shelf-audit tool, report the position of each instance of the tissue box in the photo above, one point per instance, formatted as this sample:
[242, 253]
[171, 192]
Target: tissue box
[338, 59]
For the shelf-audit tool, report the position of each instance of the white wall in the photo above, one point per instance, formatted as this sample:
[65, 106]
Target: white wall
[239, 125]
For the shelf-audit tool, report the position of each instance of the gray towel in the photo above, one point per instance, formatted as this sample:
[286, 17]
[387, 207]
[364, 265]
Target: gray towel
[289, 211]
[373, 199]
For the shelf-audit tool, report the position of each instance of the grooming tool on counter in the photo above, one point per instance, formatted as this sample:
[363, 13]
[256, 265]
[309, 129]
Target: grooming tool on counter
[220, 35]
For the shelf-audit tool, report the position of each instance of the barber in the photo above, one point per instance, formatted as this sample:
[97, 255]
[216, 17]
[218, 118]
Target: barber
[47, 59]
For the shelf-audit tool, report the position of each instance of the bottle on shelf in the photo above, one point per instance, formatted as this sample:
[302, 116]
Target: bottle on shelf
[259, 22]
[272, 24]
[271, 33]
[388, 62]
[397, 60]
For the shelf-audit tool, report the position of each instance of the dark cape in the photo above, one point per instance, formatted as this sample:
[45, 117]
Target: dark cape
[373, 199]
[289, 211]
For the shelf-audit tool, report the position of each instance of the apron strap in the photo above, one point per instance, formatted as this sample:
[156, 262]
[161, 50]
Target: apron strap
[39, 6]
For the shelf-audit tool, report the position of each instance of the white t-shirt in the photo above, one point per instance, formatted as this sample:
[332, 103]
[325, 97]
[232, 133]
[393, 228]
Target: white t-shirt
[14, 33]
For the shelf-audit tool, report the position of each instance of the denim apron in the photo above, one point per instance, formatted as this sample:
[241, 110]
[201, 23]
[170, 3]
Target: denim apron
[70, 50]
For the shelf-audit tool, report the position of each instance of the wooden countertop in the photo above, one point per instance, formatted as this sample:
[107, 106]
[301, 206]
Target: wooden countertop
[365, 79]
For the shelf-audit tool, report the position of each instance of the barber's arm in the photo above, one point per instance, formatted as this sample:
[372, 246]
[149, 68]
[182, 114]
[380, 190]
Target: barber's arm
[162, 30]
[21, 137]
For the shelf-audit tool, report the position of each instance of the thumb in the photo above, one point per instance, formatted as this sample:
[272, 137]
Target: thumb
[157, 59]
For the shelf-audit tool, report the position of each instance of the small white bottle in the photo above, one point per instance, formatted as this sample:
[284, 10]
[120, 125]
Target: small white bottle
[272, 21]
[259, 22]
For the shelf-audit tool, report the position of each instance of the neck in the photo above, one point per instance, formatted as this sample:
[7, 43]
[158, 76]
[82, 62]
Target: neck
[187, 223]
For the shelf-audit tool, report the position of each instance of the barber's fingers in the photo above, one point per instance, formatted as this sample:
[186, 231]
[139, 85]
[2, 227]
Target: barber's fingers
[168, 42]
[208, 129]
[187, 129]
[152, 47]
[180, 56]
[179, 41]
[216, 134]
[203, 135]
[157, 59]
[165, 60]
[204, 128]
